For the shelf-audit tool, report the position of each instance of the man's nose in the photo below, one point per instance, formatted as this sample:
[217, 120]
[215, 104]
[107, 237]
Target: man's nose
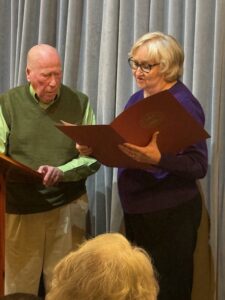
[53, 81]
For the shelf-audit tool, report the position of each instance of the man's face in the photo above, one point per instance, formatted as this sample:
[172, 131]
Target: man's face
[45, 77]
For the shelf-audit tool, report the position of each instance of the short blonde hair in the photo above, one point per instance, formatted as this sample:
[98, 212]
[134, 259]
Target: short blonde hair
[163, 49]
[106, 267]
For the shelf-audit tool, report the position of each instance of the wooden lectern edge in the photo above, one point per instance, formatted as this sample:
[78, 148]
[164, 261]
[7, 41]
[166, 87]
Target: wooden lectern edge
[20, 167]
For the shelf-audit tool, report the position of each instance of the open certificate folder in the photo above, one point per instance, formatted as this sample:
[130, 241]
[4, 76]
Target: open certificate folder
[160, 112]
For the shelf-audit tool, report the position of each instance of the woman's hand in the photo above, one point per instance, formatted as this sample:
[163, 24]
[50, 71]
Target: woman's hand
[149, 154]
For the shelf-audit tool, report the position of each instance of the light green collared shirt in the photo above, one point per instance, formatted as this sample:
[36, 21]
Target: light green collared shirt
[4, 131]
[81, 161]
[43, 105]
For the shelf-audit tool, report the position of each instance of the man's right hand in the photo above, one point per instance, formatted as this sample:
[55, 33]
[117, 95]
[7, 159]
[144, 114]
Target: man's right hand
[84, 150]
[51, 175]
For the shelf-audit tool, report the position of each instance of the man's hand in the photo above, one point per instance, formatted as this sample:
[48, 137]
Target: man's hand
[149, 154]
[84, 150]
[52, 175]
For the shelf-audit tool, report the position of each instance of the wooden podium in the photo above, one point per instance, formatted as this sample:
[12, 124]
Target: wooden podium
[10, 169]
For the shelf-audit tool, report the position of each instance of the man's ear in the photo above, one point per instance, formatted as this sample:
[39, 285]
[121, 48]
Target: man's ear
[28, 74]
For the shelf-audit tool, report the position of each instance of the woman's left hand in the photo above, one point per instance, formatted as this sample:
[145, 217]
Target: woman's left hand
[149, 154]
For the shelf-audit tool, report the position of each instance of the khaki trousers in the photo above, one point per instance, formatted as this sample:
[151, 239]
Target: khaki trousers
[35, 243]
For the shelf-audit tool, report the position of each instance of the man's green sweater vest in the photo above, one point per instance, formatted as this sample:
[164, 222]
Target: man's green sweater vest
[34, 140]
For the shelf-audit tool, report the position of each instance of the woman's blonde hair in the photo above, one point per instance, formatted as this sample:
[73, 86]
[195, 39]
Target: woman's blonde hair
[163, 49]
[106, 267]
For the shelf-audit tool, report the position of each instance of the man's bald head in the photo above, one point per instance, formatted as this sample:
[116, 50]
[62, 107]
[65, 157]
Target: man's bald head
[44, 71]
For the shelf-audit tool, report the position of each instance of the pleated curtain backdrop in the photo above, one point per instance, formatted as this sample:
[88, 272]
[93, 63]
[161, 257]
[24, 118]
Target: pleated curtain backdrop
[93, 38]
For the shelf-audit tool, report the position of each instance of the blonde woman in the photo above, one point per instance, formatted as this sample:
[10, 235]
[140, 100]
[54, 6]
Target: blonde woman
[162, 203]
[107, 267]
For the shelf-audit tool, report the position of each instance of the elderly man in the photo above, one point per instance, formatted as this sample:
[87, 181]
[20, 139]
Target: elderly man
[43, 221]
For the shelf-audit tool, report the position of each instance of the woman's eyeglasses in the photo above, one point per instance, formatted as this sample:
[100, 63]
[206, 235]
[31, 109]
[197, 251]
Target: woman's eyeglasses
[146, 68]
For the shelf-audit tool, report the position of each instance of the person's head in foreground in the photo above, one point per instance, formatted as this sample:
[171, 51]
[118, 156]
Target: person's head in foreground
[106, 267]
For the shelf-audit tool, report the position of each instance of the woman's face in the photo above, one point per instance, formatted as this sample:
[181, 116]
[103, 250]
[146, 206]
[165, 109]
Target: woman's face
[151, 82]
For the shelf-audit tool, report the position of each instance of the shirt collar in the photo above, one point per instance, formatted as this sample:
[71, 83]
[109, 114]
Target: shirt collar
[34, 95]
